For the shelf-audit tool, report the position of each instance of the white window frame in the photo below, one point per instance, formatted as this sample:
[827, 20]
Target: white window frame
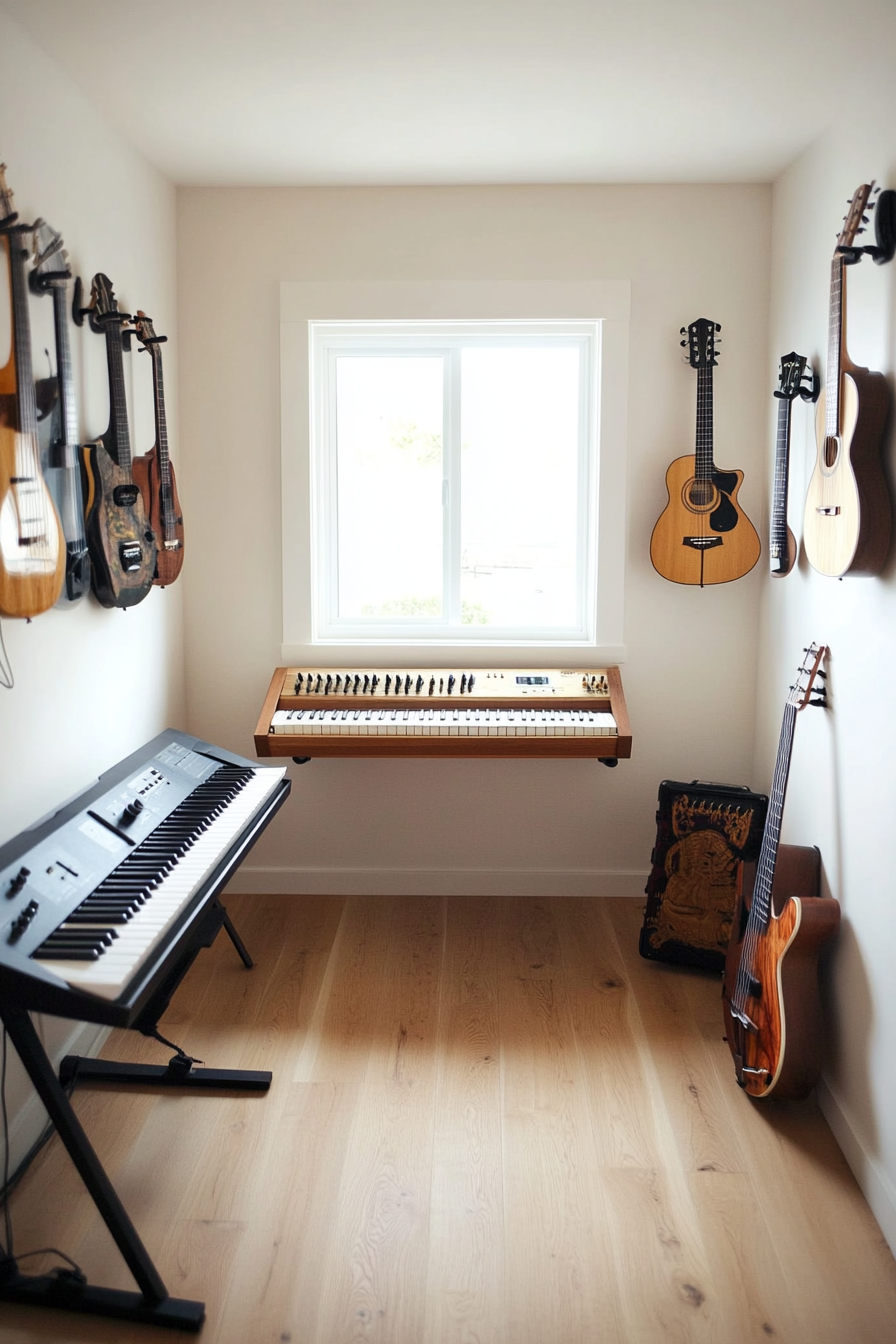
[310, 305]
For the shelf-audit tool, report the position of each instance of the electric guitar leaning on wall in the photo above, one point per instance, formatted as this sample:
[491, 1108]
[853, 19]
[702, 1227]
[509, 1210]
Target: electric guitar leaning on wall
[32, 547]
[846, 528]
[782, 545]
[154, 471]
[121, 542]
[703, 536]
[770, 994]
[51, 275]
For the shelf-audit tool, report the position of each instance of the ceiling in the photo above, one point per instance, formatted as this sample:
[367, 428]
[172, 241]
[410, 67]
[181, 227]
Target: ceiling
[415, 91]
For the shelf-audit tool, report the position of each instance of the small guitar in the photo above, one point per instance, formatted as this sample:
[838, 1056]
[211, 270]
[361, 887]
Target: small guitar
[51, 275]
[846, 528]
[703, 536]
[154, 471]
[32, 547]
[770, 991]
[119, 537]
[782, 545]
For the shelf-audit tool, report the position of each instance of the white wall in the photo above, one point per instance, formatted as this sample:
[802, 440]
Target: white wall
[454, 826]
[843, 780]
[90, 685]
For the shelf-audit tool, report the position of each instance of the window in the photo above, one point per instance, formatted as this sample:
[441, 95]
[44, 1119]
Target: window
[456, 472]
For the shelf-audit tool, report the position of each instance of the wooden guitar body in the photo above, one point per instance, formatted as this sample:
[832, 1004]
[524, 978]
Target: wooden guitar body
[846, 529]
[170, 553]
[32, 547]
[702, 535]
[782, 1057]
[121, 541]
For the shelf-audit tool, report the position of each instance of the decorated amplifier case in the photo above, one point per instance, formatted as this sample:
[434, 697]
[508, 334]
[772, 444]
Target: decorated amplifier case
[703, 833]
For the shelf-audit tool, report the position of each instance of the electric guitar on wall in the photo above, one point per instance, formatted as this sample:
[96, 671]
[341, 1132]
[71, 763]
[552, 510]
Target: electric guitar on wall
[846, 528]
[782, 545]
[51, 275]
[120, 539]
[154, 471]
[703, 536]
[770, 994]
[32, 547]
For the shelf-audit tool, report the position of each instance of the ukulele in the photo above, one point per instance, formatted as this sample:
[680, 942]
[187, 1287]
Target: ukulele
[846, 528]
[703, 536]
[154, 471]
[32, 547]
[120, 540]
[770, 991]
[51, 276]
[781, 541]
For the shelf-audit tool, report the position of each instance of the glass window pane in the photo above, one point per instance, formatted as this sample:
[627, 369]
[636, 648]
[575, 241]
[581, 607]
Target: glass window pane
[389, 412]
[519, 465]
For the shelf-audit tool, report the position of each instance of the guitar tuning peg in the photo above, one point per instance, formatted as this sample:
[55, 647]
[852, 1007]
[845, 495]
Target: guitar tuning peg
[682, 342]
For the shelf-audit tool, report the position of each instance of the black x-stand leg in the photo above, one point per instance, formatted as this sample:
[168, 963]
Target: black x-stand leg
[152, 1305]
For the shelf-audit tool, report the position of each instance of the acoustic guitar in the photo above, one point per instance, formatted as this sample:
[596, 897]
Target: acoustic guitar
[32, 547]
[782, 547]
[770, 994]
[846, 527]
[51, 275]
[703, 536]
[119, 537]
[154, 471]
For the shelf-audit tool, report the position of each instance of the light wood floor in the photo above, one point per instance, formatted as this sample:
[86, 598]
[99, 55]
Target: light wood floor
[491, 1122]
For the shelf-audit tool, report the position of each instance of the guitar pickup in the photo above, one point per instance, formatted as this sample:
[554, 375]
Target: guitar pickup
[130, 553]
[828, 510]
[125, 496]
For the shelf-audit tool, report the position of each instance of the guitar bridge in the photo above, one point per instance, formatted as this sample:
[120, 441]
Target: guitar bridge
[701, 543]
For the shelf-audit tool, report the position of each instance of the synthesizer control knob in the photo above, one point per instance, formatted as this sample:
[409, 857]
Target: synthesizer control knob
[388, 683]
[470, 679]
[451, 683]
[407, 683]
[355, 684]
[18, 882]
[463, 683]
[366, 683]
[132, 811]
[418, 685]
[328, 684]
[432, 685]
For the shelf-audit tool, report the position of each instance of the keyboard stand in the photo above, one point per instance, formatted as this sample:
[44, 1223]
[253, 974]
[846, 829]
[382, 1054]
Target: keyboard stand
[152, 1305]
[179, 1071]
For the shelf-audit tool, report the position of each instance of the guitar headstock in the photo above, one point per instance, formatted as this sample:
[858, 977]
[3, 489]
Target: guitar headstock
[809, 672]
[103, 310]
[794, 379]
[855, 218]
[701, 340]
[50, 257]
[8, 215]
[143, 330]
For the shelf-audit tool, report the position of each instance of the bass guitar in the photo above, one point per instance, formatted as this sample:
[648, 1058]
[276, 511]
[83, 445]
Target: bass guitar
[770, 991]
[32, 547]
[154, 471]
[846, 527]
[119, 537]
[782, 545]
[51, 275]
[703, 536]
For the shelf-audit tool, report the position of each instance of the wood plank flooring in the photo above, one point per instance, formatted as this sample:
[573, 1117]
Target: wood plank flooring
[491, 1122]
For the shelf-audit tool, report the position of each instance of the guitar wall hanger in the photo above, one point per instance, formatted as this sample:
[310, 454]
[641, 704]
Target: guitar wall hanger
[883, 249]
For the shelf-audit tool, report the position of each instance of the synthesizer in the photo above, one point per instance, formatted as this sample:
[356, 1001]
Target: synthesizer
[96, 900]
[445, 712]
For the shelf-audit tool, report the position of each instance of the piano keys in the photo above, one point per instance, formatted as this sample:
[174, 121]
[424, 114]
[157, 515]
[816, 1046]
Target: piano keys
[437, 712]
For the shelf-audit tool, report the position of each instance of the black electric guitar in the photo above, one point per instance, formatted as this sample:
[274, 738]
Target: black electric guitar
[770, 995]
[703, 536]
[154, 471]
[846, 526]
[782, 547]
[119, 536]
[32, 548]
[51, 275]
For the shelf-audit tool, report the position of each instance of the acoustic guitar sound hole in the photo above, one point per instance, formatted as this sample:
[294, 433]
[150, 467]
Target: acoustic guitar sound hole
[699, 496]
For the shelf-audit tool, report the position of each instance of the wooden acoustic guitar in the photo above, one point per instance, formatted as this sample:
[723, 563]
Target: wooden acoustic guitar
[51, 275]
[782, 547]
[154, 471]
[846, 527]
[32, 547]
[770, 991]
[120, 539]
[703, 536]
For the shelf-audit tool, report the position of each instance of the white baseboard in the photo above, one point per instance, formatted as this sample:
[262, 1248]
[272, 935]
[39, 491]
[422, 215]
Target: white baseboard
[260, 881]
[873, 1181]
[29, 1117]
